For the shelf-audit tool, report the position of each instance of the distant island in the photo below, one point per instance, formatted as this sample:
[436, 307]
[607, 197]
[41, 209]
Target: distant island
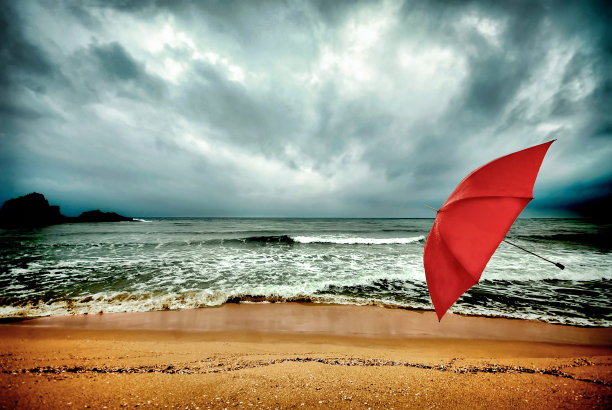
[33, 210]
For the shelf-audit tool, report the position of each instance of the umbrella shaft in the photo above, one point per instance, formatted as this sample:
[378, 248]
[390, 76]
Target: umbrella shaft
[535, 254]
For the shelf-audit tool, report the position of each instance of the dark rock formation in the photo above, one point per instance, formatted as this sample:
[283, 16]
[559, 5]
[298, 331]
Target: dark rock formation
[29, 211]
[99, 216]
[33, 210]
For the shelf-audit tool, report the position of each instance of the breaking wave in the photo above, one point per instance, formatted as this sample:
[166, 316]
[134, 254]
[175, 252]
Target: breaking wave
[269, 239]
[359, 241]
[118, 302]
[482, 301]
[337, 240]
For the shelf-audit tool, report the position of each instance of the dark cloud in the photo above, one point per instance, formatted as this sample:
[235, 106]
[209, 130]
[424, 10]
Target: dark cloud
[24, 67]
[229, 107]
[590, 199]
[322, 108]
[116, 62]
[597, 208]
[21, 60]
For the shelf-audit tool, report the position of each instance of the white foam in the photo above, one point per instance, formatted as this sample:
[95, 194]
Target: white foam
[360, 241]
[115, 302]
[542, 316]
[143, 301]
[511, 264]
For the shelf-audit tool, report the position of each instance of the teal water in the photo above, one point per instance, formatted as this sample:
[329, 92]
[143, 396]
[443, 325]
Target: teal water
[177, 263]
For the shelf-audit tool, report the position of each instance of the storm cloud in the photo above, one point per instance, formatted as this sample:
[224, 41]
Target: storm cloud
[300, 108]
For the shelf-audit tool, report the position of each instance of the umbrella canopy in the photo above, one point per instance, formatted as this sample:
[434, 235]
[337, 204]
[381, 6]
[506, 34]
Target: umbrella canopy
[474, 220]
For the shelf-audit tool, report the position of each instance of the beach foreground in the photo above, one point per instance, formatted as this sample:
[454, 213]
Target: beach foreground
[294, 355]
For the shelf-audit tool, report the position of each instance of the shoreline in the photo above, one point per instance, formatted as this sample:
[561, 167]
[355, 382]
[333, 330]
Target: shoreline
[299, 355]
[73, 308]
[328, 319]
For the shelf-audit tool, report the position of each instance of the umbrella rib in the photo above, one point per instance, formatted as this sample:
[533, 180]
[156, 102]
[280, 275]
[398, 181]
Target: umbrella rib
[462, 270]
[455, 258]
[446, 205]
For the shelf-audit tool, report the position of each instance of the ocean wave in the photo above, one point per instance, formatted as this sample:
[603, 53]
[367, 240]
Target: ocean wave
[129, 302]
[597, 240]
[269, 239]
[120, 302]
[358, 241]
[337, 240]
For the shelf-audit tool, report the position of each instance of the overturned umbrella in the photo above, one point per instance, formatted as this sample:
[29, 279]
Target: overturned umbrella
[474, 220]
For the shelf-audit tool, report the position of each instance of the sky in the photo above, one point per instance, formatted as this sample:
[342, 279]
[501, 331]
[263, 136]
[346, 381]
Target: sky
[300, 108]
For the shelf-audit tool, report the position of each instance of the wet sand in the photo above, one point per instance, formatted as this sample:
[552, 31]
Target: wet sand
[298, 355]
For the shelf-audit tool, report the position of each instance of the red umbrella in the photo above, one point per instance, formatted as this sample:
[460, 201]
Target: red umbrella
[474, 220]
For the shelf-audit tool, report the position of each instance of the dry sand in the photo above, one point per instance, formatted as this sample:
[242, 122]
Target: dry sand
[298, 355]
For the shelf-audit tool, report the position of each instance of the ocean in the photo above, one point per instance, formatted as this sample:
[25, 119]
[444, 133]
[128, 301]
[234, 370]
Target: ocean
[183, 263]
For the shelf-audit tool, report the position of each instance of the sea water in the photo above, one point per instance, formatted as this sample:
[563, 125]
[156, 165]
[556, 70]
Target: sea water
[179, 263]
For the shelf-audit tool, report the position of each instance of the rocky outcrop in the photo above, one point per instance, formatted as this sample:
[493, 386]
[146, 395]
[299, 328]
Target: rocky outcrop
[29, 211]
[33, 210]
[99, 216]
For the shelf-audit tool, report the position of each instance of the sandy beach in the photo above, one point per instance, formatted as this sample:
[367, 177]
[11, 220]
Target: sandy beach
[299, 355]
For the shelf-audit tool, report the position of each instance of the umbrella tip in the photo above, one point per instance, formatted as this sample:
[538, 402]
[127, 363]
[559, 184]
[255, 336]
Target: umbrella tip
[431, 207]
